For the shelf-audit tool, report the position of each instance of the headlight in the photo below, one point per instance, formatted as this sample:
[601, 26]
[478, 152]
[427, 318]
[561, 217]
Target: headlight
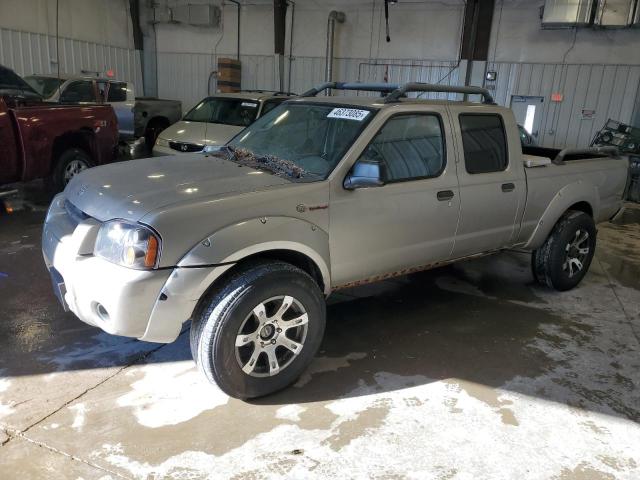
[129, 245]
[161, 142]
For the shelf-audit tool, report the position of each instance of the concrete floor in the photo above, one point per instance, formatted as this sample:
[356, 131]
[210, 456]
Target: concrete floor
[466, 372]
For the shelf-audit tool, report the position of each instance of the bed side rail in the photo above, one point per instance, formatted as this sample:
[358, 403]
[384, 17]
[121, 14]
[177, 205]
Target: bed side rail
[593, 151]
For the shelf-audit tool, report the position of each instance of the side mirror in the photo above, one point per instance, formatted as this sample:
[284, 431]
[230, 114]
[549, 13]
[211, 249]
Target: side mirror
[365, 174]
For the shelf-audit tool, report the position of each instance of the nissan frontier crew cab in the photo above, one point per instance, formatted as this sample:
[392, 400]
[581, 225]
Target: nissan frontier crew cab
[246, 240]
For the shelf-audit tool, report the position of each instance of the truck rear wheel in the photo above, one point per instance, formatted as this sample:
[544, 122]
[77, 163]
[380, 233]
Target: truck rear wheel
[154, 128]
[258, 333]
[70, 163]
[564, 258]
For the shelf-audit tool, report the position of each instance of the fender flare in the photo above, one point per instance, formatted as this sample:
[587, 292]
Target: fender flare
[567, 196]
[233, 243]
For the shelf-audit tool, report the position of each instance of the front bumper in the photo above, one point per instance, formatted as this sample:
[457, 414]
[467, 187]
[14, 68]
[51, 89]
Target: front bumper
[150, 305]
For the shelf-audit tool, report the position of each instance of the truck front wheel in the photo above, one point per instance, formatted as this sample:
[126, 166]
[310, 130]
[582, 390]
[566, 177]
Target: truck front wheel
[564, 258]
[258, 333]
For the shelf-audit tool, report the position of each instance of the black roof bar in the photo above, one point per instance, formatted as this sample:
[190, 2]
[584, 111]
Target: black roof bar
[275, 92]
[397, 91]
[431, 87]
[365, 87]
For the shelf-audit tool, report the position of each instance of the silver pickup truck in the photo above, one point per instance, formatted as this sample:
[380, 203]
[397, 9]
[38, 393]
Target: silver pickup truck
[321, 193]
[137, 116]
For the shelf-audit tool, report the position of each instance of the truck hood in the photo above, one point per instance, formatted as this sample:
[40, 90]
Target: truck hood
[129, 190]
[200, 133]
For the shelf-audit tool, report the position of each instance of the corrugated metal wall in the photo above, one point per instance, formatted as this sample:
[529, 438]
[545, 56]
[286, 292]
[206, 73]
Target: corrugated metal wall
[184, 76]
[28, 53]
[309, 71]
[610, 90]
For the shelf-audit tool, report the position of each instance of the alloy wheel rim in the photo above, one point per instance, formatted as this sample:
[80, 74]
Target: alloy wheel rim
[271, 336]
[577, 251]
[72, 169]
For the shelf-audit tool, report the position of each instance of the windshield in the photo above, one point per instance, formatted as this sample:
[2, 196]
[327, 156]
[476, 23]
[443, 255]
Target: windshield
[227, 111]
[45, 86]
[11, 81]
[306, 139]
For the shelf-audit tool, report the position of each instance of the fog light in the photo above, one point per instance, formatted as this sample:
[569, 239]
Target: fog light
[102, 312]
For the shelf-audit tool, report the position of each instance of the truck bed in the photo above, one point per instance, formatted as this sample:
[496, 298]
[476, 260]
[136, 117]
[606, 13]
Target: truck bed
[552, 153]
[599, 178]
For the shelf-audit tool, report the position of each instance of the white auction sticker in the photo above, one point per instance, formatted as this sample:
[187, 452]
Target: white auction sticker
[250, 105]
[348, 114]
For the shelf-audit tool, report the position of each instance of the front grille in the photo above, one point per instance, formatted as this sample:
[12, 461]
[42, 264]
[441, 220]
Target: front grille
[186, 147]
[74, 212]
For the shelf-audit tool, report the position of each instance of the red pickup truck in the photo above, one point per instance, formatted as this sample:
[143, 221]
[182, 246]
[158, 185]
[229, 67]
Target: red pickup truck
[55, 142]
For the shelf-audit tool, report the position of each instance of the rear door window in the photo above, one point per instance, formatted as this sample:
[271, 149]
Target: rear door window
[117, 92]
[484, 142]
[78, 92]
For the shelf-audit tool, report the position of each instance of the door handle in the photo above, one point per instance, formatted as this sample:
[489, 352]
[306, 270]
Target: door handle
[444, 195]
[508, 187]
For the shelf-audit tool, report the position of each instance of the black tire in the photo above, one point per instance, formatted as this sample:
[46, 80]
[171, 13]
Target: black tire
[554, 263]
[153, 130]
[226, 310]
[74, 159]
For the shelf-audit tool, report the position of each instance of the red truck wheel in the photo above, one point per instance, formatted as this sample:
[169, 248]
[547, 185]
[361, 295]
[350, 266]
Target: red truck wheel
[70, 163]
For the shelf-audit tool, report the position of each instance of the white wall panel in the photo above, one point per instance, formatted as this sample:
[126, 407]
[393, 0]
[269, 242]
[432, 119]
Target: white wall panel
[309, 71]
[97, 21]
[184, 76]
[610, 90]
[28, 53]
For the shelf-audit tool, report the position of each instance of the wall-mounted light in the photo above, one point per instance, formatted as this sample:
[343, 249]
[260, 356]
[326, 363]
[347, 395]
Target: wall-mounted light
[492, 75]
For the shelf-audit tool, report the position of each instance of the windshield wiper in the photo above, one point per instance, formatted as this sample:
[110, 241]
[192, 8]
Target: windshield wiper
[270, 163]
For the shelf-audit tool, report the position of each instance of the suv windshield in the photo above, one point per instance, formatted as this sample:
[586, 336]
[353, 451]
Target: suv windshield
[228, 111]
[305, 138]
[9, 80]
[45, 86]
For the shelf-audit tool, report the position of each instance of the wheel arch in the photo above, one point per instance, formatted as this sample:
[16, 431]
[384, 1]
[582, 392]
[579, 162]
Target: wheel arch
[188, 289]
[236, 244]
[577, 196]
[582, 206]
[83, 139]
[157, 120]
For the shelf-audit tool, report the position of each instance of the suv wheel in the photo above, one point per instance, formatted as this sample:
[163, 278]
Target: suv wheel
[70, 163]
[258, 333]
[564, 258]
